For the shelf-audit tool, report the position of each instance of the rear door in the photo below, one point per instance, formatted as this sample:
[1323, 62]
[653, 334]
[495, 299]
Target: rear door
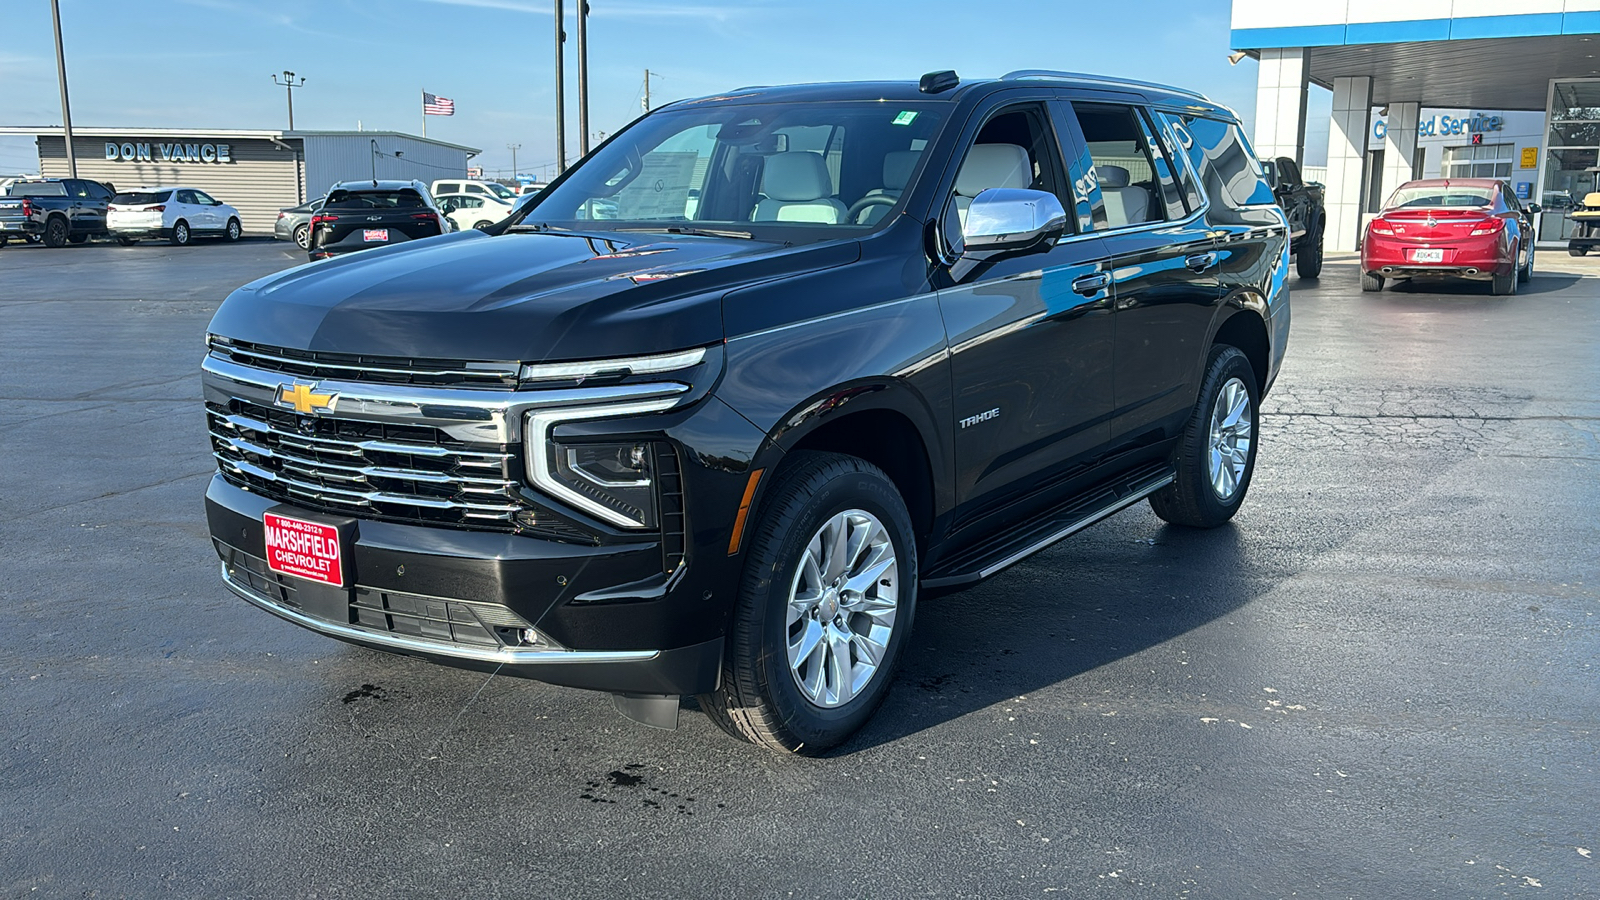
[1164, 267]
[1030, 336]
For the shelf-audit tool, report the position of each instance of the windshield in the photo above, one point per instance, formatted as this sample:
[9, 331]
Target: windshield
[502, 191]
[140, 198]
[1441, 195]
[38, 189]
[805, 171]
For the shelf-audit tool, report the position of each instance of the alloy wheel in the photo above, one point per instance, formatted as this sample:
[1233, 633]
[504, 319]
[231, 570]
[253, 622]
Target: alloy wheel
[842, 607]
[1232, 429]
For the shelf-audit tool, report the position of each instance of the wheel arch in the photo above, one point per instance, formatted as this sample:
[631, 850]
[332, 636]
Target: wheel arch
[1244, 326]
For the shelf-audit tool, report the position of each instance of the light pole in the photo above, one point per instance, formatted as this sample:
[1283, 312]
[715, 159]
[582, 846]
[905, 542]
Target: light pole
[513, 148]
[61, 75]
[374, 162]
[583, 78]
[561, 94]
[289, 84]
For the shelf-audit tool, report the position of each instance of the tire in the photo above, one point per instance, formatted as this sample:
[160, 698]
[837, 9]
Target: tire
[232, 232]
[761, 698]
[77, 239]
[481, 225]
[302, 236]
[1308, 262]
[1577, 251]
[180, 233]
[4, 240]
[1504, 285]
[126, 241]
[55, 232]
[1371, 281]
[1210, 487]
[1525, 274]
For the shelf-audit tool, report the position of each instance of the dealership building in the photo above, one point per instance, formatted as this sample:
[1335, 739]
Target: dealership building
[1432, 88]
[259, 172]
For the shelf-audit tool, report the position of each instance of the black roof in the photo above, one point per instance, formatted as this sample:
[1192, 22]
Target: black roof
[906, 91]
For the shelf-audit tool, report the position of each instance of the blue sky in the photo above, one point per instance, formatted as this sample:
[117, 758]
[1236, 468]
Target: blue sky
[206, 63]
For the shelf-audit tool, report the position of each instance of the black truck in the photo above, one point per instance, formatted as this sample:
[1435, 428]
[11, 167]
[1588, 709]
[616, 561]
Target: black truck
[1302, 205]
[58, 211]
[715, 413]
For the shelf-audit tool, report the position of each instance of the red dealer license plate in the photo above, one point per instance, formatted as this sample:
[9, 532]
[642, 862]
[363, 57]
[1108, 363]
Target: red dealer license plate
[375, 234]
[303, 549]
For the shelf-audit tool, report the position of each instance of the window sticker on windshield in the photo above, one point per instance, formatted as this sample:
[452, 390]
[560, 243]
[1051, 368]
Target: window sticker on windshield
[906, 117]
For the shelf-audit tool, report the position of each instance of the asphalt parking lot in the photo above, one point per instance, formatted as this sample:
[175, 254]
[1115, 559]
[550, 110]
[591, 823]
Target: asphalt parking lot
[1379, 681]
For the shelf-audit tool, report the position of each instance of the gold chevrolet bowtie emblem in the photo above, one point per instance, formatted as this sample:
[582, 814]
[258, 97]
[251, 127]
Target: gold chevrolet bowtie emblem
[304, 399]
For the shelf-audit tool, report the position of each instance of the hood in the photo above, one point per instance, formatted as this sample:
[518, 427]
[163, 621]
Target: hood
[525, 297]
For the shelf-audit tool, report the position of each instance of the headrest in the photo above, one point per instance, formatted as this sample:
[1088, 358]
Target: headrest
[797, 175]
[994, 166]
[1113, 176]
[897, 166]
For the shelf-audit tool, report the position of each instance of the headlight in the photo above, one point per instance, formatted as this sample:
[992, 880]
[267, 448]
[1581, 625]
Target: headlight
[614, 481]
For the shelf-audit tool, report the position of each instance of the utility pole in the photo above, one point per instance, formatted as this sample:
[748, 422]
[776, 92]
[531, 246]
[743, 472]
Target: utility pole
[289, 84]
[646, 90]
[513, 149]
[561, 94]
[583, 78]
[61, 75]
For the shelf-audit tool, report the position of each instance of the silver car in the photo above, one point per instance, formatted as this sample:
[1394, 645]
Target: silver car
[294, 223]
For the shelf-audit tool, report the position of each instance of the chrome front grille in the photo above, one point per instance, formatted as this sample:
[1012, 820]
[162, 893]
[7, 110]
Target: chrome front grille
[403, 473]
[370, 369]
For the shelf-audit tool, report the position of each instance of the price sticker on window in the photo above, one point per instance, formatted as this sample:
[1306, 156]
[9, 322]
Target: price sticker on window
[906, 117]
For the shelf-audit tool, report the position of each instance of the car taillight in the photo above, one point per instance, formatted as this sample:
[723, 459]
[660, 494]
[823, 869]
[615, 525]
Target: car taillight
[161, 208]
[27, 207]
[1379, 226]
[426, 216]
[318, 220]
[1489, 226]
[282, 215]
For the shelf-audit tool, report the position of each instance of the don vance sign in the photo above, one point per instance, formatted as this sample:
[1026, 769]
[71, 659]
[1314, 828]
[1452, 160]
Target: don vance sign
[144, 152]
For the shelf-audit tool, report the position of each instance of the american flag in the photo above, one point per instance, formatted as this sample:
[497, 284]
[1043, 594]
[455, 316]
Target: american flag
[437, 106]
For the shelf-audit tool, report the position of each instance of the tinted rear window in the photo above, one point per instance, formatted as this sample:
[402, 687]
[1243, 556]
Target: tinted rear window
[38, 189]
[140, 198]
[1442, 195]
[402, 199]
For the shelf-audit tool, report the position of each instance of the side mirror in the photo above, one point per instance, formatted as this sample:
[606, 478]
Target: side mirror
[1535, 208]
[1010, 221]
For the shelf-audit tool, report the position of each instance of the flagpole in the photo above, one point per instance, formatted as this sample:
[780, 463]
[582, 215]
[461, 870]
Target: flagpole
[424, 112]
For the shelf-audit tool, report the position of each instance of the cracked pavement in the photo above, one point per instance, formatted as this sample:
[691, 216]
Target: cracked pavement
[1380, 680]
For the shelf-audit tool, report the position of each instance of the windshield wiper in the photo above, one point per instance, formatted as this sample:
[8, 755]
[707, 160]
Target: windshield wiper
[691, 230]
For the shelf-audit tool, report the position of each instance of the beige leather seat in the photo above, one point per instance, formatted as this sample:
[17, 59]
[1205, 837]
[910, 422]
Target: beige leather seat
[797, 188]
[991, 166]
[897, 166]
[1126, 204]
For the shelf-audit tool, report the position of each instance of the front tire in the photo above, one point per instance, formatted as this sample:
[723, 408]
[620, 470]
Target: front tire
[233, 231]
[180, 234]
[824, 607]
[1371, 281]
[1525, 274]
[1577, 251]
[1308, 262]
[1217, 453]
[126, 241]
[78, 239]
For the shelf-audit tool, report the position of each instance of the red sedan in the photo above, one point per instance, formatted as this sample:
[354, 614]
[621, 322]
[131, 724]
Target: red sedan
[1473, 228]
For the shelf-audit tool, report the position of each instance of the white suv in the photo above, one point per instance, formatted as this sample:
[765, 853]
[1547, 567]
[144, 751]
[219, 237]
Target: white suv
[178, 214]
[469, 186]
[472, 210]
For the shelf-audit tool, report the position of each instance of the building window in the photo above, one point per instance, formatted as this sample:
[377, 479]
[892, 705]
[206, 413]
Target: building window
[1478, 161]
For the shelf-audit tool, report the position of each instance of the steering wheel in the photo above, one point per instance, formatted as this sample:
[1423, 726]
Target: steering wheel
[868, 201]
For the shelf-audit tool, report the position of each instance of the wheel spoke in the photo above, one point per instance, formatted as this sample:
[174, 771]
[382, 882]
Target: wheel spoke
[868, 577]
[801, 650]
[841, 669]
[834, 556]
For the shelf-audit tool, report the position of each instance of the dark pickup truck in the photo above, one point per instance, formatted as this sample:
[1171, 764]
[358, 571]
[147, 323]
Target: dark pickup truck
[714, 412]
[1302, 204]
[58, 210]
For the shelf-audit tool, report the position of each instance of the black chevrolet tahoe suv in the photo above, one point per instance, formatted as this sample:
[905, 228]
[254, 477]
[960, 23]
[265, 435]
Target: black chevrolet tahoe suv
[760, 373]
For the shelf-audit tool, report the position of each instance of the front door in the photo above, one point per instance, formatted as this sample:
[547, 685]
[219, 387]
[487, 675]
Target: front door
[1030, 337]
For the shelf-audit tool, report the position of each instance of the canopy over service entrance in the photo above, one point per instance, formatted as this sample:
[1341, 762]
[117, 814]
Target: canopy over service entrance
[1400, 56]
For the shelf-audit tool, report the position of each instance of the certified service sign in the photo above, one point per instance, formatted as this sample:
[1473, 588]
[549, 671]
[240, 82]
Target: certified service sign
[146, 152]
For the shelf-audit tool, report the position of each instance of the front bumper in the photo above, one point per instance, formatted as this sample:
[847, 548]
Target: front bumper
[467, 599]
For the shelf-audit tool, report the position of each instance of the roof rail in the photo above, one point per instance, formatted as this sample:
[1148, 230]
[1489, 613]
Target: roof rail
[1022, 74]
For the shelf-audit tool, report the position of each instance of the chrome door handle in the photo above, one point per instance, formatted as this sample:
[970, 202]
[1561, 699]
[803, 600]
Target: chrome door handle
[1091, 284]
[1201, 261]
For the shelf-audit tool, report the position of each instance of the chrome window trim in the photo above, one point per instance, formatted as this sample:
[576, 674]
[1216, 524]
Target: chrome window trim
[507, 655]
[537, 429]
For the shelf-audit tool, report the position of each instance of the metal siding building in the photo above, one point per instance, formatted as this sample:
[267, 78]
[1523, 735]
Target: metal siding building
[259, 172]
